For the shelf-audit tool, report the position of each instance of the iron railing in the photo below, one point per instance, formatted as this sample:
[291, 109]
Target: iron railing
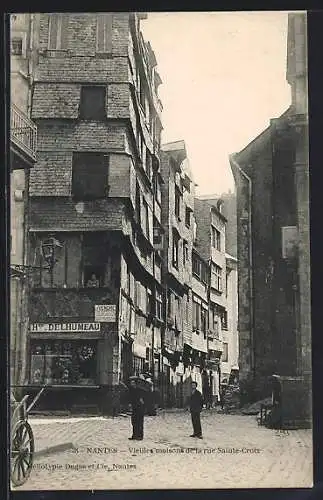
[23, 132]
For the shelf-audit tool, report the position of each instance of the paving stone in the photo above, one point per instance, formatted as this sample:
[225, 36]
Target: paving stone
[235, 453]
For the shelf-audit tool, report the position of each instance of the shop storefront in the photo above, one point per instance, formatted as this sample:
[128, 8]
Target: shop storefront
[65, 357]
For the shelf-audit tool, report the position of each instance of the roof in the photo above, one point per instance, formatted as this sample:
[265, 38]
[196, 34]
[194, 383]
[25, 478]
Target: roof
[173, 146]
[176, 149]
[259, 142]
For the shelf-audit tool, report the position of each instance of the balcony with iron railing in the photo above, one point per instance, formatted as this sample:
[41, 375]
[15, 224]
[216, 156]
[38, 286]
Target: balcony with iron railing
[23, 135]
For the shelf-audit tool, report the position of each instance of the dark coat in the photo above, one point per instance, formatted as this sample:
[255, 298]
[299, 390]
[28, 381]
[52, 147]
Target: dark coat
[136, 398]
[196, 402]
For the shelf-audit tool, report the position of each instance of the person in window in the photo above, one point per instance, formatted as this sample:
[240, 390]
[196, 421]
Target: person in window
[93, 282]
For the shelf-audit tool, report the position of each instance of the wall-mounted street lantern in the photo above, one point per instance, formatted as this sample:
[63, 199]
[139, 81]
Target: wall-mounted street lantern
[51, 249]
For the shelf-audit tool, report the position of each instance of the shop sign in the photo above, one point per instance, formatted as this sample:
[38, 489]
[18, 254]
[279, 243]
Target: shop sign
[105, 313]
[64, 327]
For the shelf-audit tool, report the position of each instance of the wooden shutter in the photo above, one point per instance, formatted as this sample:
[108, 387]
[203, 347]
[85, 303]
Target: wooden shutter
[64, 31]
[108, 32]
[53, 31]
[104, 33]
[58, 31]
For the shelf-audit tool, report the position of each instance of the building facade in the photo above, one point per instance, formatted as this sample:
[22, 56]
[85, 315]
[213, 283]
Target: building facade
[271, 176]
[178, 224]
[95, 318]
[23, 137]
[210, 242]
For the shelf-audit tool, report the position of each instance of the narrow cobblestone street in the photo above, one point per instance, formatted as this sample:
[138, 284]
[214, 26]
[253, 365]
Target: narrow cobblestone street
[235, 452]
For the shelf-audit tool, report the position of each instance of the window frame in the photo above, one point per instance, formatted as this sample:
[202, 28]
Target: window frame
[146, 217]
[59, 45]
[185, 252]
[188, 216]
[21, 40]
[175, 248]
[216, 238]
[105, 164]
[100, 116]
[159, 304]
[216, 272]
[196, 261]
[177, 202]
[225, 358]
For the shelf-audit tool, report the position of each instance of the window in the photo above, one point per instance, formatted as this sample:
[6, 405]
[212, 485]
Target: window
[224, 319]
[148, 165]
[176, 240]
[204, 273]
[58, 31]
[157, 189]
[63, 362]
[216, 238]
[196, 265]
[169, 304]
[216, 280]
[196, 315]
[185, 252]
[159, 305]
[157, 236]
[146, 219]
[214, 325]
[104, 33]
[204, 320]
[16, 46]
[187, 217]
[150, 308]
[92, 103]
[138, 365]
[90, 176]
[142, 95]
[94, 259]
[225, 352]
[177, 202]
[137, 204]
[128, 281]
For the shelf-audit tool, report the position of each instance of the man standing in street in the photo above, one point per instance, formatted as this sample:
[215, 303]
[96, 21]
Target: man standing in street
[196, 405]
[138, 411]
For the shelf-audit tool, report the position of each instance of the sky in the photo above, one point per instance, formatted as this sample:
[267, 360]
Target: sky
[224, 78]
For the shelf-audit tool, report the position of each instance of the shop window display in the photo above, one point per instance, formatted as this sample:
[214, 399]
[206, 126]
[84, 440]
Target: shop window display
[61, 362]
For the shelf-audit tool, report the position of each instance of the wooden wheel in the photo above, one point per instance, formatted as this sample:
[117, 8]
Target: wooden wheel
[22, 452]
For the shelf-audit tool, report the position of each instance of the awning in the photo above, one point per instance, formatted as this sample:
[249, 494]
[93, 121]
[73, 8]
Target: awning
[139, 350]
[197, 346]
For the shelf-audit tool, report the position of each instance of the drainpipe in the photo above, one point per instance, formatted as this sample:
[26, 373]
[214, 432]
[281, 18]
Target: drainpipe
[154, 291]
[233, 162]
[30, 56]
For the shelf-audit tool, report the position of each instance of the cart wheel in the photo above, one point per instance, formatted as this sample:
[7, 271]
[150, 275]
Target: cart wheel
[22, 452]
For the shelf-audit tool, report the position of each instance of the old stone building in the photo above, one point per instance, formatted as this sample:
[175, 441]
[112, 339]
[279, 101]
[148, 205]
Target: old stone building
[229, 210]
[271, 176]
[226, 203]
[178, 224]
[96, 316]
[23, 136]
[210, 242]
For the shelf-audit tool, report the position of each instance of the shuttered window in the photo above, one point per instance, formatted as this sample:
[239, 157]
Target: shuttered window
[90, 176]
[57, 31]
[104, 33]
[92, 103]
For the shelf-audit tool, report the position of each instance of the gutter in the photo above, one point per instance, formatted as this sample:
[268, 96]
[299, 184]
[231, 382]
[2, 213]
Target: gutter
[234, 163]
[30, 56]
